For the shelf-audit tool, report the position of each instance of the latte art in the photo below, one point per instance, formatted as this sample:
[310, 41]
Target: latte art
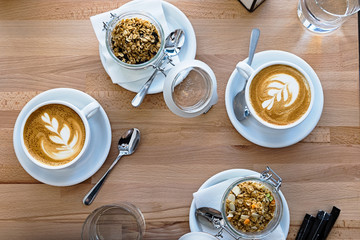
[282, 88]
[54, 134]
[280, 94]
[58, 145]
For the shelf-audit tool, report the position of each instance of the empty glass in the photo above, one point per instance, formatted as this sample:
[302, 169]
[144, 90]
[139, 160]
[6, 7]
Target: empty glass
[325, 16]
[117, 221]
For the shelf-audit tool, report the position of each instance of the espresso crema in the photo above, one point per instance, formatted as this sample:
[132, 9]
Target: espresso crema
[54, 134]
[280, 94]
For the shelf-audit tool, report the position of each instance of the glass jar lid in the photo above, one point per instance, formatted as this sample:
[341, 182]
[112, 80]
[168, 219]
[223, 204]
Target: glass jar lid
[190, 89]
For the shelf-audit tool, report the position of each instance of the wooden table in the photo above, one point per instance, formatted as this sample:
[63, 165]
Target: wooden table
[50, 44]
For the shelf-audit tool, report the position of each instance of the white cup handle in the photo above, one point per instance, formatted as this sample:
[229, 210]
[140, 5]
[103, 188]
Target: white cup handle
[244, 69]
[90, 109]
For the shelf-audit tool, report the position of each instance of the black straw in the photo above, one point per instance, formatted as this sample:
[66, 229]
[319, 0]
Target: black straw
[335, 212]
[305, 227]
[321, 220]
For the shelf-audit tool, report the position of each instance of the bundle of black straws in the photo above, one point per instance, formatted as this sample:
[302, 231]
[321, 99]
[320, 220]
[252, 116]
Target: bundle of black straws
[319, 227]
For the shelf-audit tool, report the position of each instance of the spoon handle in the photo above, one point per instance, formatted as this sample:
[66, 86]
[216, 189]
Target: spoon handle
[255, 34]
[89, 198]
[137, 100]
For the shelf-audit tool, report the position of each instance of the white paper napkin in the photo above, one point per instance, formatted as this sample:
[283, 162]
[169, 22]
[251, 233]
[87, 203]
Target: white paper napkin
[211, 197]
[117, 73]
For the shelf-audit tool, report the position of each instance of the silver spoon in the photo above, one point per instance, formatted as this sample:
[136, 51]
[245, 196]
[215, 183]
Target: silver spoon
[240, 109]
[173, 43]
[213, 216]
[127, 146]
[207, 214]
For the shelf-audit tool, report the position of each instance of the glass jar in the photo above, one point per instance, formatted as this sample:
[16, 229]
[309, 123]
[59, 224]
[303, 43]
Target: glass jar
[272, 185]
[141, 15]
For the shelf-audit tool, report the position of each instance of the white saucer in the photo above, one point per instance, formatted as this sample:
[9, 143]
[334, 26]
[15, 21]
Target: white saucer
[251, 129]
[91, 161]
[176, 19]
[196, 226]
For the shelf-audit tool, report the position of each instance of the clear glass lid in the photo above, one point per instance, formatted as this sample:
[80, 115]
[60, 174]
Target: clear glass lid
[190, 89]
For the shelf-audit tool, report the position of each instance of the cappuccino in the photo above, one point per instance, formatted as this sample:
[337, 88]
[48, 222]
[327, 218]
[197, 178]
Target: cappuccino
[280, 94]
[54, 134]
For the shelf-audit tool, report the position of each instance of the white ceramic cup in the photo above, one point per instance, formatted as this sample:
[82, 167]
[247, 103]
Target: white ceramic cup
[198, 236]
[85, 113]
[249, 73]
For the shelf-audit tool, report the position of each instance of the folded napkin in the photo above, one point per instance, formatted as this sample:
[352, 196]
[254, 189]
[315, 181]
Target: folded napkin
[211, 197]
[117, 73]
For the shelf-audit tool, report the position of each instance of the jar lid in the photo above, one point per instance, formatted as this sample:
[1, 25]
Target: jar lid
[190, 89]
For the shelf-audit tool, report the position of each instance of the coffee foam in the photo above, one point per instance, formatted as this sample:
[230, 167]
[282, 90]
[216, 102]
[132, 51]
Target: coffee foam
[281, 87]
[280, 94]
[54, 134]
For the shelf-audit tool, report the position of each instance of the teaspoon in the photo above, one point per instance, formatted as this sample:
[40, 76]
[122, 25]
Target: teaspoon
[240, 109]
[213, 216]
[127, 146]
[173, 43]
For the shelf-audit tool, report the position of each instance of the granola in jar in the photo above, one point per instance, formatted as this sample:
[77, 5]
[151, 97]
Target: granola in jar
[135, 40]
[250, 206]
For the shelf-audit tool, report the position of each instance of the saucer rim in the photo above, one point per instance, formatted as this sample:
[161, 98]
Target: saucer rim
[315, 116]
[220, 177]
[156, 87]
[31, 168]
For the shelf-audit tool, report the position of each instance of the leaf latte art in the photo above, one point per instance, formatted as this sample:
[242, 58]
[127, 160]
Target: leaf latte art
[282, 88]
[61, 136]
[54, 134]
[280, 94]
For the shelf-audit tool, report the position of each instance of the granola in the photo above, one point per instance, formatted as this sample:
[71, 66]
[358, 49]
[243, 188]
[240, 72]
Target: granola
[135, 40]
[250, 206]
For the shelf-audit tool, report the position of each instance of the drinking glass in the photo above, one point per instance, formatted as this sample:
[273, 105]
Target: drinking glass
[325, 16]
[116, 221]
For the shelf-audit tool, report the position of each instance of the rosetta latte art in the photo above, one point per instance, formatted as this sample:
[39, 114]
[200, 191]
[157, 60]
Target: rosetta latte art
[68, 142]
[282, 88]
[280, 94]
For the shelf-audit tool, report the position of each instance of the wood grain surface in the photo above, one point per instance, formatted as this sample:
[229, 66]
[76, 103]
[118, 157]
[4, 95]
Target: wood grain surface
[50, 44]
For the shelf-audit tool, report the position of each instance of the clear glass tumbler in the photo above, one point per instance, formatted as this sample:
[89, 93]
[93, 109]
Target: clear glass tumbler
[325, 16]
[118, 221]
